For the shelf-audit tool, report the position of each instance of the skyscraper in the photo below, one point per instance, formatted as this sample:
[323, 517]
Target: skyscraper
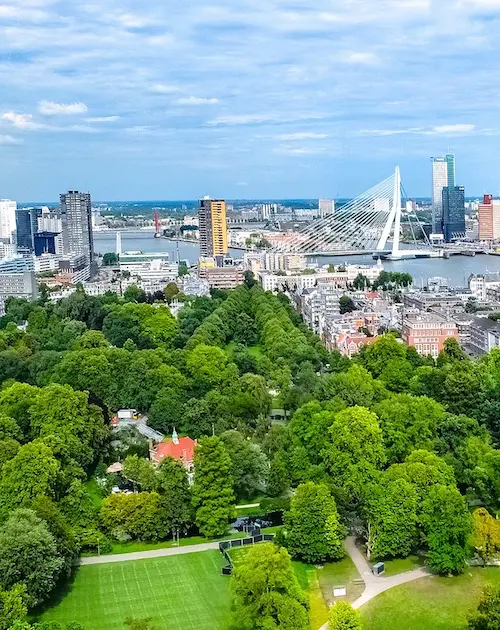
[326, 207]
[453, 212]
[213, 227]
[27, 226]
[8, 221]
[440, 167]
[489, 219]
[76, 215]
[450, 163]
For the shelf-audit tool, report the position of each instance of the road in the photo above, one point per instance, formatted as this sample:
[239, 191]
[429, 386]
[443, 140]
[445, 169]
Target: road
[374, 585]
[145, 555]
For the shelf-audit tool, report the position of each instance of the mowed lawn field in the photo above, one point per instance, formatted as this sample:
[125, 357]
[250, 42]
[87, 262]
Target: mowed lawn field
[185, 592]
[430, 603]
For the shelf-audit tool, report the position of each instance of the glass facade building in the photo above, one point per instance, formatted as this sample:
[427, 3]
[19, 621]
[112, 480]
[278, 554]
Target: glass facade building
[453, 213]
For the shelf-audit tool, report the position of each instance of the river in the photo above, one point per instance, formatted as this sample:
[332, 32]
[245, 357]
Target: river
[457, 268]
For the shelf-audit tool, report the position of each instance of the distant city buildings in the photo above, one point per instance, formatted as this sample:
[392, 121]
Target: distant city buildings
[453, 213]
[443, 175]
[8, 210]
[213, 227]
[219, 275]
[17, 278]
[326, 208]
[489, 219]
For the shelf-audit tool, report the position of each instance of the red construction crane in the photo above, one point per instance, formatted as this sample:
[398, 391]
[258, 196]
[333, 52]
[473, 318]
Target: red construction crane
[157, 224]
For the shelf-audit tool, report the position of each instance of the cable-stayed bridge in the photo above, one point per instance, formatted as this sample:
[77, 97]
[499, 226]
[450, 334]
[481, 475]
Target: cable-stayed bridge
[365, 224]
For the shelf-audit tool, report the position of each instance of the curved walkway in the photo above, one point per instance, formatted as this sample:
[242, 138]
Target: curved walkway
[374, 585]
[145, 555]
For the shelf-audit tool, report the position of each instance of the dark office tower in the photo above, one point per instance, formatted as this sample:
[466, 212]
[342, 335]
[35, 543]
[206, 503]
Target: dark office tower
[453, 213]
[27, 226]
[76, 215]
[450, 162]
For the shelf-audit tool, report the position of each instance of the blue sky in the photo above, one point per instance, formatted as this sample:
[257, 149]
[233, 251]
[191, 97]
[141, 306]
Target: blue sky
[245, 98]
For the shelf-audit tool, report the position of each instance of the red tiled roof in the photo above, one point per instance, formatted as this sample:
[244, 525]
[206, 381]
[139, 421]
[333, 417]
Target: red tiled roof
[183, 451]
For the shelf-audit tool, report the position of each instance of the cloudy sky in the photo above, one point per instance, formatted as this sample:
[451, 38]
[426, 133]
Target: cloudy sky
[245, 98]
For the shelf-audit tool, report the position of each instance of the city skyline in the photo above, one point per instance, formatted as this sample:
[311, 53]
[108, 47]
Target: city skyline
[277, 98]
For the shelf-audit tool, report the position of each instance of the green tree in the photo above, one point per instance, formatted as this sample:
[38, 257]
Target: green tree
[170, 291]
[141, 472]
[137, 516]
[109, 259]
[356, 451]
[487, 616]
[176, 495]
[346, 305]
[361, 282]
[31, 473]
[12, 606]
[28, 555]
[392, 519]
[313, 531]
[447, 526]
[250, 467]
[375, 357]
[134, 294]
[213, 495]
[266, 593]
[486, 532]
[278, 480]
[344, 617]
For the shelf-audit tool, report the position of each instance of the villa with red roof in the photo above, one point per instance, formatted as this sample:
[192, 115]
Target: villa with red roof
[180, 448]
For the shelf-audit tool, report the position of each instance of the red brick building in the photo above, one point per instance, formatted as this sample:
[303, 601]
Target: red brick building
[180, 448]
[427, 333]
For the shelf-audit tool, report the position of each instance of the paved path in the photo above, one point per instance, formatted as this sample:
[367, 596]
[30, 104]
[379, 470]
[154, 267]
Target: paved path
[154, 553]
[374, 585]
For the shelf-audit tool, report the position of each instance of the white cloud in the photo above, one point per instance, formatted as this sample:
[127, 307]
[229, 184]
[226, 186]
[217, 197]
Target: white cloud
[360, 58]
[243, 184]
[162, 88]
[197, 100]
[6, 140]
[50, 108]
[21, 121]
[445, 129]
[129, 20]
[300, 150]
[459, 129]
[303, 135]
[254, 119]
[103, 119]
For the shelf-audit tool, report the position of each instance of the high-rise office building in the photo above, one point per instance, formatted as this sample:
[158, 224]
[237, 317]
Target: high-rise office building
[450, 164]
[76, 216]
[27, 227]
[8, 221]
[213, 227]
[489, 219]
[453, 213]
[439, 181]
[326, 207]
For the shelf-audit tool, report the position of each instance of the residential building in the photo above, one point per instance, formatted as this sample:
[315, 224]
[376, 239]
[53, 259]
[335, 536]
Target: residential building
[192, 285]
[8, 210]
[481, 285]
[213, 227]
[326, 208]
[221, 277]
[489, 219]
[484, 335]
[73, 269]
[423, 300]
[26, 227]
[453, 213]
[76, 215]
[179, 448]
[318, 305]
[427, 332]
[17, 278]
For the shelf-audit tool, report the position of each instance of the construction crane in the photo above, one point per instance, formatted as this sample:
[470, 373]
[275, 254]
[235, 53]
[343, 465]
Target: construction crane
[157, 224]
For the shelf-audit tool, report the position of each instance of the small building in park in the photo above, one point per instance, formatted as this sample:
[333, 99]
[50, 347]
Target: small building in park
[180, 448]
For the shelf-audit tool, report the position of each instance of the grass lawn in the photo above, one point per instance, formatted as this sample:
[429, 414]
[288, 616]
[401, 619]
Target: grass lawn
[430, 603]
[94, 491]
[129, 547]
[341, 573]
[184, 592]
[401, 565]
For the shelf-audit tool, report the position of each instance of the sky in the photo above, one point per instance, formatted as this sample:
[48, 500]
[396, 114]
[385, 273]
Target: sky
[245, 98]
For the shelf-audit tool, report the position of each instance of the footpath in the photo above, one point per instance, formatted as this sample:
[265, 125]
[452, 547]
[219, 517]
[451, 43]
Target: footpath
[145, 555]
[374, 585]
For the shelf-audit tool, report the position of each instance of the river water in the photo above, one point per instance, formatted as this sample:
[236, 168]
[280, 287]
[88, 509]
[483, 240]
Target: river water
[457, 268]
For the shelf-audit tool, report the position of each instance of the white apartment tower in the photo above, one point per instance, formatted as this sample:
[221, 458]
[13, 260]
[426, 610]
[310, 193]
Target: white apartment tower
[8, 221]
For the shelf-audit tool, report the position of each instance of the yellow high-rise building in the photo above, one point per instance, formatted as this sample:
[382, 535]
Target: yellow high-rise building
[213, 227]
